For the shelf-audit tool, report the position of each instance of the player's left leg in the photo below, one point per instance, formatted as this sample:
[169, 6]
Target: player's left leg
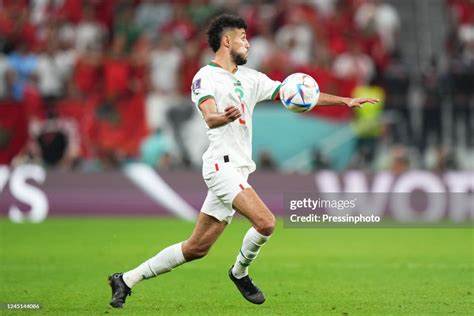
[249, 204]
[230, 187]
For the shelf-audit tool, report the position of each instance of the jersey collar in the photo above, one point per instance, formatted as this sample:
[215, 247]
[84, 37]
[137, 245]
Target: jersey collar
[214, 63]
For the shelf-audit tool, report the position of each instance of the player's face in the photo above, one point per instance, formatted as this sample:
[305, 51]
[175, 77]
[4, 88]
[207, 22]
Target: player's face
[239, 46]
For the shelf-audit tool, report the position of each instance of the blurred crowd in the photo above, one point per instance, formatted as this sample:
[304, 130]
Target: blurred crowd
[92, 84]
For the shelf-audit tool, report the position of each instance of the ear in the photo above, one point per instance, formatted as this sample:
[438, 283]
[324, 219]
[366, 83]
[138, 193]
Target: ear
[226, 40]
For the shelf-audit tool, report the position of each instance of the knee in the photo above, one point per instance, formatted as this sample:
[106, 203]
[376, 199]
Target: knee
[266, 226]
[192, 251]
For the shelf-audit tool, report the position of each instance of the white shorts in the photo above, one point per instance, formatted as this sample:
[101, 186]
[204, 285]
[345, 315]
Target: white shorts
[224, 183]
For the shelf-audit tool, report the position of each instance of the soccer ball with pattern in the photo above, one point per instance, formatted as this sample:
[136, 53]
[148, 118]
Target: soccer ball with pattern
[299, 92]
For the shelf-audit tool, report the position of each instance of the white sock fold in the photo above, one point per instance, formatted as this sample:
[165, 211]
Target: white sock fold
[165, 261]
[251, 245]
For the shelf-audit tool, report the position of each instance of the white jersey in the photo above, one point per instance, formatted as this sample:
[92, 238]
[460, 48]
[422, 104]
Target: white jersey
[243, 89]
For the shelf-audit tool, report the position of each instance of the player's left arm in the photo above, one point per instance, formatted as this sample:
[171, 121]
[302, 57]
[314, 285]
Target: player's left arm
[332, 100]
[267, 89]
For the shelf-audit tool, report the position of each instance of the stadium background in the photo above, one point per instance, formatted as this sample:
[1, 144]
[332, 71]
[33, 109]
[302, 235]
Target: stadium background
[96, 121]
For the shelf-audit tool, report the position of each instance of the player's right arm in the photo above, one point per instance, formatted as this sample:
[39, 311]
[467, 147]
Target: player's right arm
[217, 119]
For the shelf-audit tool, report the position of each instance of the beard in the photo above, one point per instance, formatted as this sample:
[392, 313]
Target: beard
[238, 59]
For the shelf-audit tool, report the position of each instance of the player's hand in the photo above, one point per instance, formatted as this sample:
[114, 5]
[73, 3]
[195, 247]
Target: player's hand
[232, 113]
[359, 102]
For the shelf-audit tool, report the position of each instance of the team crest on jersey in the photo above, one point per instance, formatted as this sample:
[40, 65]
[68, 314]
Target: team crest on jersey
[196, 86]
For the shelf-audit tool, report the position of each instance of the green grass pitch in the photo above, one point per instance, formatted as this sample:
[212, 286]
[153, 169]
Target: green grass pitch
[63, 264]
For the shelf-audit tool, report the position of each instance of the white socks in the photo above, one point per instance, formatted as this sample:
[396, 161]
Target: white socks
[163, 262]
[251, 245]
[171, 257]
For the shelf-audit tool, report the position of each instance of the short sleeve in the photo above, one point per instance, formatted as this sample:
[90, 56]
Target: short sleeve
[267, 88]
[201, 89]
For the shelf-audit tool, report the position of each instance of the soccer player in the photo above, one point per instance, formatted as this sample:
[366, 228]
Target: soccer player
[225, 94]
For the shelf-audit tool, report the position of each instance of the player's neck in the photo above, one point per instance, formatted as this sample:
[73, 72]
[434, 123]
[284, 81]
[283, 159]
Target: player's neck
[225, 62]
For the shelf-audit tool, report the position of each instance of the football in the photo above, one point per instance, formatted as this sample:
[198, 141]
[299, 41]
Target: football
[299, 92]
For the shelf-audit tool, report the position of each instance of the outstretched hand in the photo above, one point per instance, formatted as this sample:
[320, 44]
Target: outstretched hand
[359, 102]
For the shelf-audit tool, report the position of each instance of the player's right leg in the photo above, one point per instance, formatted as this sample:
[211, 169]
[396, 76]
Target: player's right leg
[206, 232]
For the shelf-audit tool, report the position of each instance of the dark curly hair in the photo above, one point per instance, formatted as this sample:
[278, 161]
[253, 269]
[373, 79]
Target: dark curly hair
[219, 24]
